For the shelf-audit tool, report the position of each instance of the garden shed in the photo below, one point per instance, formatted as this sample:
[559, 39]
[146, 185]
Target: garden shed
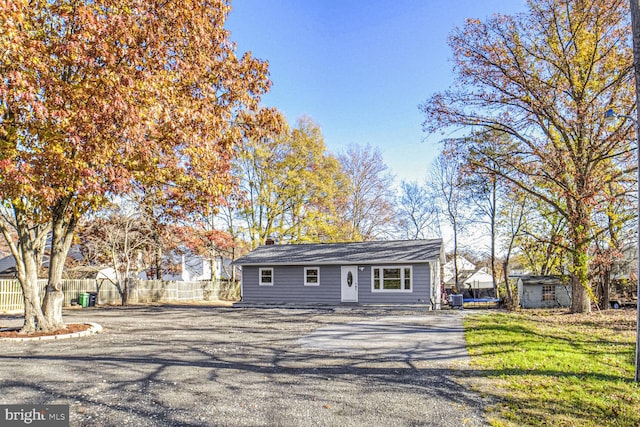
[543, 292]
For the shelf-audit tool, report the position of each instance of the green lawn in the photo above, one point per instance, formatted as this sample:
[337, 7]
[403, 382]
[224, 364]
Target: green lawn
[551, 368]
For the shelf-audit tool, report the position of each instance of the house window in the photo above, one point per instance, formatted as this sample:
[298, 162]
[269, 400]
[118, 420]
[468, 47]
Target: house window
[548, 292]
[311, 276]
[266, 277]
[392, 279]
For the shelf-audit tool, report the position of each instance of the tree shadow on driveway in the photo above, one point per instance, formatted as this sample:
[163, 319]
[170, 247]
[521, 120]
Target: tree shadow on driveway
[202, 367]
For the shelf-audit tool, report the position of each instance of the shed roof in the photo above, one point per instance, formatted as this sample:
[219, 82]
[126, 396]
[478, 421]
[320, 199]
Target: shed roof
[375, 252]
[540, 280]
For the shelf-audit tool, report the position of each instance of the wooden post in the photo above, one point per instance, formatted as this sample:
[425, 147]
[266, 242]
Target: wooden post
[635, 25]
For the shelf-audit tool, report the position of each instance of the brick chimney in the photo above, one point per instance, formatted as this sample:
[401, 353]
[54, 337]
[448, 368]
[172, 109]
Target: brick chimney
[269, 241]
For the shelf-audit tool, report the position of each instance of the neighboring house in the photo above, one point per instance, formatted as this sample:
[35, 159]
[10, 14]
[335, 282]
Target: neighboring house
[381, 272]
[223, 269]
[187, 267]
[479, 285]
[465, 269]
[543, 292]
[108, 273]
[8, 267]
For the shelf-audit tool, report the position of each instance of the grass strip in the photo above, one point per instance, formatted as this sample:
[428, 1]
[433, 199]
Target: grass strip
[552, 368]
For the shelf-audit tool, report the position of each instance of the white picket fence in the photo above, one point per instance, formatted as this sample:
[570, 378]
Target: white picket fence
[140, 291]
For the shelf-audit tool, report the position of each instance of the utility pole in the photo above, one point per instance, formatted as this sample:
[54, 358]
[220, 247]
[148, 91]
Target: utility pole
[635, 25]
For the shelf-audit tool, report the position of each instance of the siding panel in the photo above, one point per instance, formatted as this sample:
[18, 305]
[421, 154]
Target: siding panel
[531, 297]
[419, 295]
[288, 286]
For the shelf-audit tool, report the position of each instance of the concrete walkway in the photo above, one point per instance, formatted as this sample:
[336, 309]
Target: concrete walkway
[435, 339]
[207, 366]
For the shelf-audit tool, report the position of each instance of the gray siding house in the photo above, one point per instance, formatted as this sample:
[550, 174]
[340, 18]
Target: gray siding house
[543, 292]
[380, 272]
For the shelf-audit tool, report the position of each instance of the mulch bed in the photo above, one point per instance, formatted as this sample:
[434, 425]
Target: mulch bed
[69, 329]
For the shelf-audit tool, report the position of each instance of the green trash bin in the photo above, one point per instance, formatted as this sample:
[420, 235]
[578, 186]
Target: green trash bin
[83, 299]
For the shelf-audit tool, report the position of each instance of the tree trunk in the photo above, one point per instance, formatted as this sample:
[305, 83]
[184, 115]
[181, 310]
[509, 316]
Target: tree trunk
[27, 250]
[509, 302]
[581, 302]
[63, 226]
[158, 256]
[52, 306]
[605, 302]
[34, 319]
[54, 296]
[580, 225]
[581, 299]
[124, 294]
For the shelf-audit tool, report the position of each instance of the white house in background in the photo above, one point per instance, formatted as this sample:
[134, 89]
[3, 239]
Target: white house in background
[186, 267]
[108, 273]
[481, 279]
[465, 269]
[223, 268]
[183, 267]
[479, 285]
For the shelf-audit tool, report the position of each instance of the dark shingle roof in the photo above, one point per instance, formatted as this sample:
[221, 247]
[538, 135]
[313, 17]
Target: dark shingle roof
[8, 265]
[541, 280]
[390, 251]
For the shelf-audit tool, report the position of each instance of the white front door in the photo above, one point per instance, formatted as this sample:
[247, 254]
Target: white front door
[349, 284]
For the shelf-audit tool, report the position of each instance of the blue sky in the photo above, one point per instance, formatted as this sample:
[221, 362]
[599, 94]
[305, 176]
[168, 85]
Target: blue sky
[359, 68]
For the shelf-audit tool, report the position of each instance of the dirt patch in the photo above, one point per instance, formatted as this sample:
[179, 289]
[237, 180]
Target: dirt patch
[69, 329]
[622, 319]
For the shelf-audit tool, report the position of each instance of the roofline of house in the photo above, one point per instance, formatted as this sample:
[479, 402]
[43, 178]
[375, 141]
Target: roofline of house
[305, 263]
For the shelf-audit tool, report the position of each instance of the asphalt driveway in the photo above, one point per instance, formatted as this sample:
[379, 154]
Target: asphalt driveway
[208, 366]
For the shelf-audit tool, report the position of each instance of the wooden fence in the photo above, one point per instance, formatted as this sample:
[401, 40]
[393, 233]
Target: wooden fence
[140, 291]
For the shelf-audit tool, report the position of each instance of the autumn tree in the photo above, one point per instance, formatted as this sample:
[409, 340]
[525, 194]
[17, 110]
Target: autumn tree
[98, 97]
[201, 236]
[416, 211]
[509, 227]
[545, 79]
[368, 206]
[616, 224]
[446, 182]
[288, 187]
[117, 238]
[4, 247]
[543, 239]
[172, 226]
[228, 220]
[484, 190]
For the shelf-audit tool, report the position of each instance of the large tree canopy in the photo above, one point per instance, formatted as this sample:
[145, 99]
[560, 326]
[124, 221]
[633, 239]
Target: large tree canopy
[545, 78]
[289, 188]
[99, 97]
[368, 207]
